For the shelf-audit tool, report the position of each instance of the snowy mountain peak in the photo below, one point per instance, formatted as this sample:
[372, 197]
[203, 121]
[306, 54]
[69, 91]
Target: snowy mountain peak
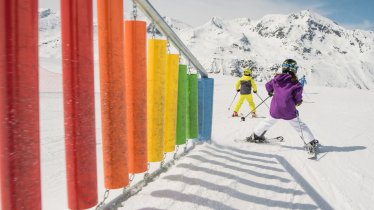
[45, 12]
[327, 53]
[306, 14]
[218, 22]
[242, 21]
[48, 20]
[176, 24]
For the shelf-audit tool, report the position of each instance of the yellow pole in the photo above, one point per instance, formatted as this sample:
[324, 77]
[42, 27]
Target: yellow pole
[156, 79]
[172, 72]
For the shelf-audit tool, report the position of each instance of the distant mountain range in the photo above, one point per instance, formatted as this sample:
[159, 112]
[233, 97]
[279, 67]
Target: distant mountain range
[328, 54]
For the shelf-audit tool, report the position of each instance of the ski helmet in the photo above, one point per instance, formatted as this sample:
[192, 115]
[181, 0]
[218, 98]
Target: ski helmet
[289, 65]
[247, 72]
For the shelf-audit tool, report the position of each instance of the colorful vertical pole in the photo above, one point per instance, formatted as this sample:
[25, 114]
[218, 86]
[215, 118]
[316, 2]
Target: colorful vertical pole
[205, 94]
[182, 105]
[79, 102]
[19, 106]
[193, 106]
[156, 98]
[188, 108]
[112, 87]
[171, 101]
[136, 94]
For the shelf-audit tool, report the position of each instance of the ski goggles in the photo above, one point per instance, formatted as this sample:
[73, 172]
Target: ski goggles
[291, 66]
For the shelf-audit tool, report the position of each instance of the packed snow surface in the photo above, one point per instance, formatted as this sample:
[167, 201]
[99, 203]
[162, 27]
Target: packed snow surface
[225, 174]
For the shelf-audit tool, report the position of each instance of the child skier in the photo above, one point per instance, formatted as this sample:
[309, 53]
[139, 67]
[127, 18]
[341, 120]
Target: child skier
[287, 94]
[245, 85]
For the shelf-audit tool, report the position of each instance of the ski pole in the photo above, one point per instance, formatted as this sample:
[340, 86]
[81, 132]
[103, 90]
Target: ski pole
[243, 118]
[262, 99]
[233, 101]
[301, 130]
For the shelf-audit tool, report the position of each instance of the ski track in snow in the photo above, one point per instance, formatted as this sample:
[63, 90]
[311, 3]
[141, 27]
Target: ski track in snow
[229, 175]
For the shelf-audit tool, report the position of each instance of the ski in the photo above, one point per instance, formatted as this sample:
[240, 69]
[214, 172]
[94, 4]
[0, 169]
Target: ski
[266, 141]
[258, 117]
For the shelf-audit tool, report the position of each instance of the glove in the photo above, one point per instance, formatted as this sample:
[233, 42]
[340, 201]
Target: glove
[255, 91]
[238, 90]
[270, 94]
[299, 103]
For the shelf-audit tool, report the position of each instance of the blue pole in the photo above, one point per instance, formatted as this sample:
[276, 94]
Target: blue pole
[205, 112]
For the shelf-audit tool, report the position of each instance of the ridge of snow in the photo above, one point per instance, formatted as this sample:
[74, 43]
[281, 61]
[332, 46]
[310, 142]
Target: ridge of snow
[327, 53]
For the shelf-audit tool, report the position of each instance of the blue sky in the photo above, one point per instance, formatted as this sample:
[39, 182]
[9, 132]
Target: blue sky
[353, 14]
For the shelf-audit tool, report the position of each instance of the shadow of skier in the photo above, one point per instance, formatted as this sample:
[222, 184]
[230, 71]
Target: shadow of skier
[324, 150]
[327, 149]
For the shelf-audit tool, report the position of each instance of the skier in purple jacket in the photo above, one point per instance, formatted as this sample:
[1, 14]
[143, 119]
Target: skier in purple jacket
[287, 94]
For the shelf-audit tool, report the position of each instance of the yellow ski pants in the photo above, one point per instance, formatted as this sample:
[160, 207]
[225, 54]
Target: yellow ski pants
[247, 97]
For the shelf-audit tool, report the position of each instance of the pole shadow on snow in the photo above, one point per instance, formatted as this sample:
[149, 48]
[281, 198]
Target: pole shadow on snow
[241, 156]
[237, 194]
[182, 197]
[308, 189]
[211, 154]
[242, 152]
[234, 168]
[241, 180]
[317, 198]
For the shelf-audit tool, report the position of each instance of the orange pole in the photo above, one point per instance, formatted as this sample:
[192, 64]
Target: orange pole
[136, 94]
[112, 87]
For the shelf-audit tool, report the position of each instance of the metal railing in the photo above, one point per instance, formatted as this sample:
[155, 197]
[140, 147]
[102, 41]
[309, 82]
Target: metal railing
[152, 13]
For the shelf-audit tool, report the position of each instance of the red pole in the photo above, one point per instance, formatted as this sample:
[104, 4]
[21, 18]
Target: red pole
[19, 105]
[79, 103]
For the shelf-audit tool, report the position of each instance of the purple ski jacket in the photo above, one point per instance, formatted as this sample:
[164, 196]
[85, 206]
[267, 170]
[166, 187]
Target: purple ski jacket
[287, 94]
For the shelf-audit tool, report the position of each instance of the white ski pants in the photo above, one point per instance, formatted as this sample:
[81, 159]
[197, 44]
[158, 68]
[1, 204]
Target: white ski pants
[304, 132]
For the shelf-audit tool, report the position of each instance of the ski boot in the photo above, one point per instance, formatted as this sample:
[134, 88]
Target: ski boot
[256, 139]
[311, 147]
[235, 114]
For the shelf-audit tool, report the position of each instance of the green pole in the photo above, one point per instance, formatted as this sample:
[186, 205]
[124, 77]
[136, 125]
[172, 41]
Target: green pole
[193, 125]
[182, 105]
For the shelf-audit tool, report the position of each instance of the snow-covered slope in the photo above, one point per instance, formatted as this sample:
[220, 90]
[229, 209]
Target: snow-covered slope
[327, 53]
[229, 175]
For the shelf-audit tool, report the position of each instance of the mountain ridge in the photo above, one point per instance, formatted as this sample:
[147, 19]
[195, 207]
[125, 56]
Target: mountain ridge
[328, 54]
